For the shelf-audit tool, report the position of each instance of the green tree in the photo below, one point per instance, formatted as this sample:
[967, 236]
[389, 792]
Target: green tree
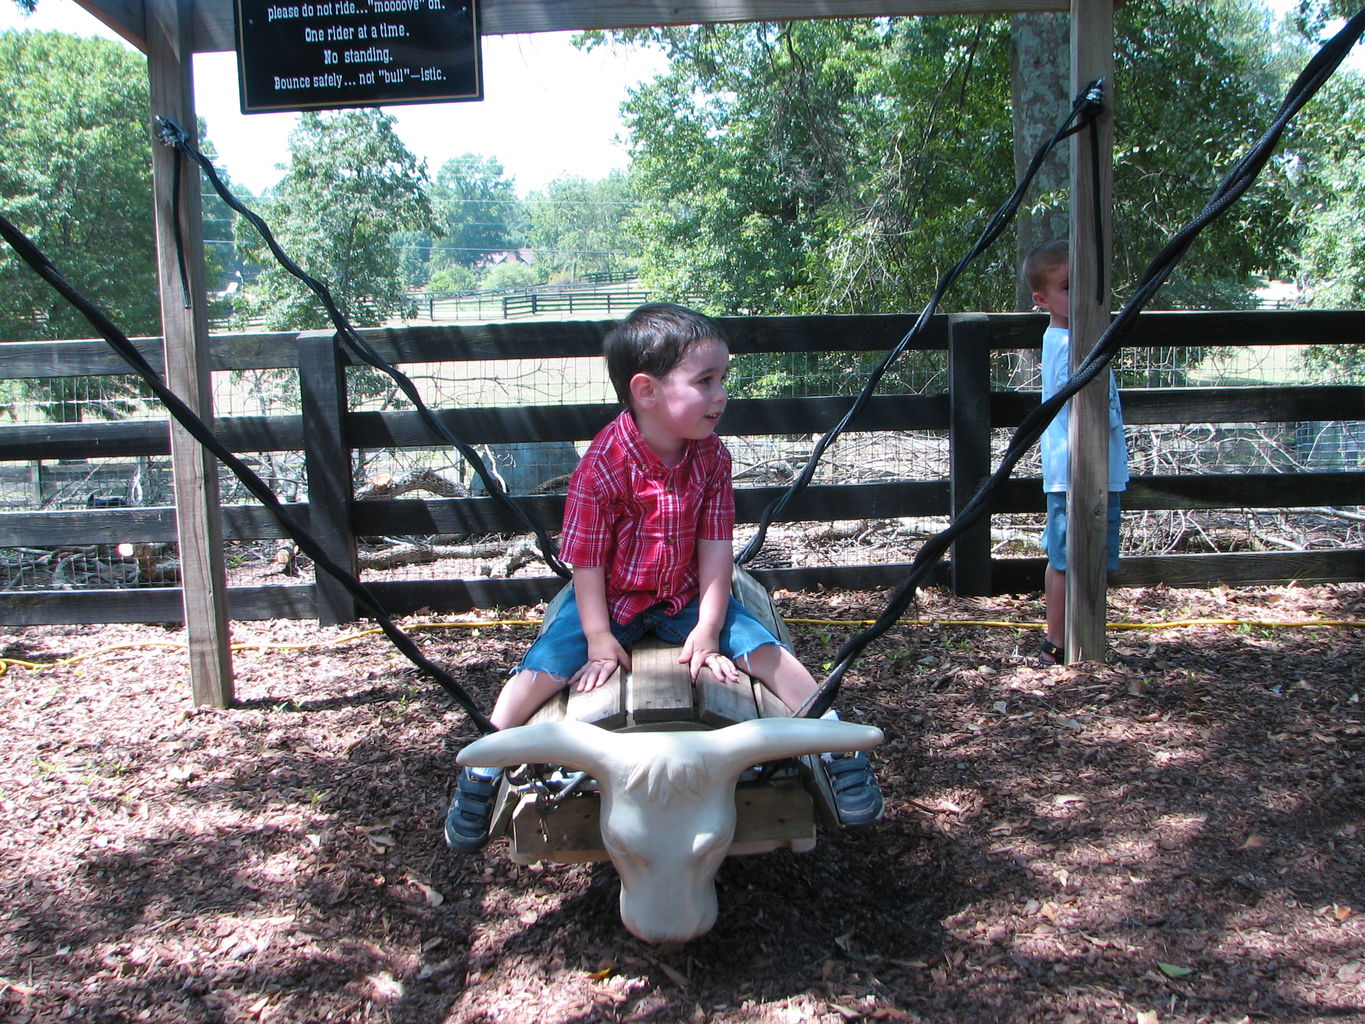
[818, 166]
[75, 176]
[1197, 83]
[478, 211]
[454, 278]
[223, 265]
[1333, 196]
[578, 227]
[414, 257]
[511, 275]
[845, 165]
[350, 186]
[1310, 17]
[741, 151]
[1331, 201]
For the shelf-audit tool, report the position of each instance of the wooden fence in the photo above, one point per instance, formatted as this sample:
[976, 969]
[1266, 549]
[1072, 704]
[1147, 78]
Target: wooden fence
[326, 431]
[539, 301]
[570, 302]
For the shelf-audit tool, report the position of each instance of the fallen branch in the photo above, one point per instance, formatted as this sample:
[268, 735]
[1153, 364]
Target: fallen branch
[385, 485]
[400, 553]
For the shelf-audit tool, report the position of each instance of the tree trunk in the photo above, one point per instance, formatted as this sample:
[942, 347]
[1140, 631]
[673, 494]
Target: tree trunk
[1039, 71]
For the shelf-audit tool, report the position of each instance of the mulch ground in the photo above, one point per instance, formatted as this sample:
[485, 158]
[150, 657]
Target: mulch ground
[1172, 836]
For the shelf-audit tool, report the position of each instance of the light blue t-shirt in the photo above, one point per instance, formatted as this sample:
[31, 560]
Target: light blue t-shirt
[1056, 456]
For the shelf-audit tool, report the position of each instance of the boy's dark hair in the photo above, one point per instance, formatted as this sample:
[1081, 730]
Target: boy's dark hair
[1042, 260]
[653, 340]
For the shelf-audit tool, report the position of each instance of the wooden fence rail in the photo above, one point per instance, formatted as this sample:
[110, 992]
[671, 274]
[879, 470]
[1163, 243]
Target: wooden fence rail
[327, 434]
[537, 303]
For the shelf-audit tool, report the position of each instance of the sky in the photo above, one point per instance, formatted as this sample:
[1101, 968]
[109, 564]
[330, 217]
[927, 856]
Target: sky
[549, 109]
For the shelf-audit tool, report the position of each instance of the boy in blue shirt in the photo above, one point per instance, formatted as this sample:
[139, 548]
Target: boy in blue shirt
[1047, 270]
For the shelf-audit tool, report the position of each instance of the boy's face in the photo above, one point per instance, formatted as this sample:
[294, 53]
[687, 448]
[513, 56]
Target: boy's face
[1055, 295]
[688, 401]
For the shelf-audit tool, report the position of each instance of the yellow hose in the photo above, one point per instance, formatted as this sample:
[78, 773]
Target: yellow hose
[423, 627]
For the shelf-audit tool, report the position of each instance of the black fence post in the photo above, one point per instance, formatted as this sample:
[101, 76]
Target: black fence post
[969, 445]
[327, 460]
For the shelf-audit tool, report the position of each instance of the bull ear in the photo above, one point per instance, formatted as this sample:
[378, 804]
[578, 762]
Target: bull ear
[770, 739]
[572, 744]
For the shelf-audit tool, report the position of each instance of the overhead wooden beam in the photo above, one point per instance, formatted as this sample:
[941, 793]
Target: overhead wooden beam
[499, 17]
[212, 28]
[126, 17]
[1092, 57]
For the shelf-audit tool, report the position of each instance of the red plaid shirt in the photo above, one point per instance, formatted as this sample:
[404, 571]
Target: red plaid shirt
[641, 521]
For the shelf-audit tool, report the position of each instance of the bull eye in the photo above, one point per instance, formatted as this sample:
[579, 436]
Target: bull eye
[621, 851]
[710, 842]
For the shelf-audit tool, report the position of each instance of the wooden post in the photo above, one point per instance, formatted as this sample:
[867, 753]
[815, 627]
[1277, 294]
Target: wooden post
[969, 445]
[327, 460]
[185, 329]
[1092, 57]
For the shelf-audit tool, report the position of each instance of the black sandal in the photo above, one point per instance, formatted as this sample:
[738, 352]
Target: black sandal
[1049, 654]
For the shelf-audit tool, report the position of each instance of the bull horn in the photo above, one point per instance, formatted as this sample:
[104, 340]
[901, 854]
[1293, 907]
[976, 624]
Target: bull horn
[573, 744]
[771, 739]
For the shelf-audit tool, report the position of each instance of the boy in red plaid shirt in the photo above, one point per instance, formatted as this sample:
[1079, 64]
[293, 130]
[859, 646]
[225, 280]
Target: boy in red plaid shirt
[648, 529]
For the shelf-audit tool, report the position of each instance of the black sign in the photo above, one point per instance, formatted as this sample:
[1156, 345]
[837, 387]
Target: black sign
[311, 54]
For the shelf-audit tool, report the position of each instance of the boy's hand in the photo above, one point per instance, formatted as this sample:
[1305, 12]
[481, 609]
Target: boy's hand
[702, 649]
[605, 655]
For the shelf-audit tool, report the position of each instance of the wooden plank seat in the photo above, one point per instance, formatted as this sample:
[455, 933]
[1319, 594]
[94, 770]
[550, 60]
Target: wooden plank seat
[778, 812]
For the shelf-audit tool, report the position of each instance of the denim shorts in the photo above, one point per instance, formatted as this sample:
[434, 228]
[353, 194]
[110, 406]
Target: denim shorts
[1054, 533]
[562, 648]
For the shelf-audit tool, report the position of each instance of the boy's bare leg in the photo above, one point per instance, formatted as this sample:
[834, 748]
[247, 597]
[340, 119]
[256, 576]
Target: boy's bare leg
[523, 695]
[857, 799]
[777, 668]
[471, 811]
[1054, 597]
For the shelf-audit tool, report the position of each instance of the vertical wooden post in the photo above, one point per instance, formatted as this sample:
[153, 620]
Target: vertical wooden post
[969, 445]
[1092, 57]
[185, 328]
[327, 460]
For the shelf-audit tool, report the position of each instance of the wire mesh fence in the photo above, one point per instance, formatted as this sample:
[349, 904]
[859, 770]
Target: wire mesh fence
[532, 467]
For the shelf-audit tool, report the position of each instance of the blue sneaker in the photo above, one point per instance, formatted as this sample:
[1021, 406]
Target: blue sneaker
[856, 796]
[471, 812]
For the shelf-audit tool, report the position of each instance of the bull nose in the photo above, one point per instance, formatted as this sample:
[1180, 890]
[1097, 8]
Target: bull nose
[680, 921]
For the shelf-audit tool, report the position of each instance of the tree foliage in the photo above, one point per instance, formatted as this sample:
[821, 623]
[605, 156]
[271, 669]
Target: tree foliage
[75, 176]
[478, 211]
[414, 256]
[1197, 83]
[350, 187]
[578, 227]
[1332, 197]
[844, 166]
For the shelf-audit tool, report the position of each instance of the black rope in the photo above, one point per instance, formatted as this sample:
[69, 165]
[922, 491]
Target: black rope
[179, 240]
[1097, 221]
[258, 487]
[1229, 190]
[172, 134]
[1085, 107]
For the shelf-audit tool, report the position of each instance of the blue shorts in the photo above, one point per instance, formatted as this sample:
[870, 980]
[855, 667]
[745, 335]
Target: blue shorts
[1054, 533]
[562, 649]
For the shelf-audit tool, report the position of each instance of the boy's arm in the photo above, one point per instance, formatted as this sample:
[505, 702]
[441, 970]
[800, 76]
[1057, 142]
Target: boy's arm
[605, 652]
[715, 562]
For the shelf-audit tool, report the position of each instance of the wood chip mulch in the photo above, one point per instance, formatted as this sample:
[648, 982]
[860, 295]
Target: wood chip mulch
[1174, 835]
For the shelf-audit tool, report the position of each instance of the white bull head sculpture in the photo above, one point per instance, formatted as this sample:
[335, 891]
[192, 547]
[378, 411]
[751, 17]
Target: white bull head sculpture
[668, 801]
